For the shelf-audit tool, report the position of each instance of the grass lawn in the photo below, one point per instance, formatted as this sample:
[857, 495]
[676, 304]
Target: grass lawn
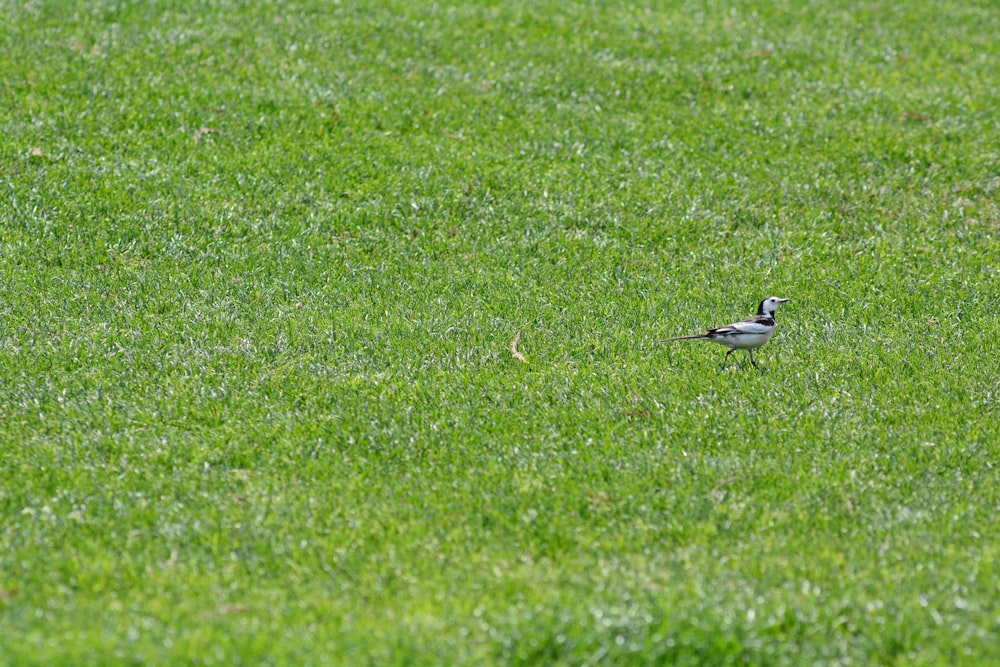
[261, 265]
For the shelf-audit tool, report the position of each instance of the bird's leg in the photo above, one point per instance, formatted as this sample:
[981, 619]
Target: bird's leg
[752, 360]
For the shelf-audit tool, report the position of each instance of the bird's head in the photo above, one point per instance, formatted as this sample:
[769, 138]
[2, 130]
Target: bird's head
[769, 305]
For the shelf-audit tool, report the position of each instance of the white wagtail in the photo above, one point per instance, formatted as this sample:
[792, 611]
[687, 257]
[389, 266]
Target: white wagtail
[747, 335]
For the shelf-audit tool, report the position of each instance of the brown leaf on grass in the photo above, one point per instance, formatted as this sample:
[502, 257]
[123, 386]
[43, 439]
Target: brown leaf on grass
[513, 349]
[916, 116]
[9, 593]
[38, 152]
[600, 497]
[202, 131]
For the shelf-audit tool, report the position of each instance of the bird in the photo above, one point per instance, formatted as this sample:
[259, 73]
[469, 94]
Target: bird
[748, 334]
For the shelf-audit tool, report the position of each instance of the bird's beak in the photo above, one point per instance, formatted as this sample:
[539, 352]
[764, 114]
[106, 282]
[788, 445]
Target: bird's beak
[783, 300]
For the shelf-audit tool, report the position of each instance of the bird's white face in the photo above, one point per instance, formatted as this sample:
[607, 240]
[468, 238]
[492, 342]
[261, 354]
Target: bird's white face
[771, 304]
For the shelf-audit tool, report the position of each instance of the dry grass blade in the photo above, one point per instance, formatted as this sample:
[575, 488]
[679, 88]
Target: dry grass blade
[724, 483]
[513, 349]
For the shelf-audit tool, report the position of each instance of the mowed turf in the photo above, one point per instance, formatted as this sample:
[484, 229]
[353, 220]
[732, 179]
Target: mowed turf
[261, 265]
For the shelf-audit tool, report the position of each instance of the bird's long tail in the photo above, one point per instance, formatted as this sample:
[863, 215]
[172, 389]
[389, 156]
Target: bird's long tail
[695, 337]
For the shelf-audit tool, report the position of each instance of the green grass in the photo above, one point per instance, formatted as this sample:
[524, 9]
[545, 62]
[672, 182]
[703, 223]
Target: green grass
[260, 267]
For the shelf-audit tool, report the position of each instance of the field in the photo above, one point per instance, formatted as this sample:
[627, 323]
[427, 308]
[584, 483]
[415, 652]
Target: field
[262, 264]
